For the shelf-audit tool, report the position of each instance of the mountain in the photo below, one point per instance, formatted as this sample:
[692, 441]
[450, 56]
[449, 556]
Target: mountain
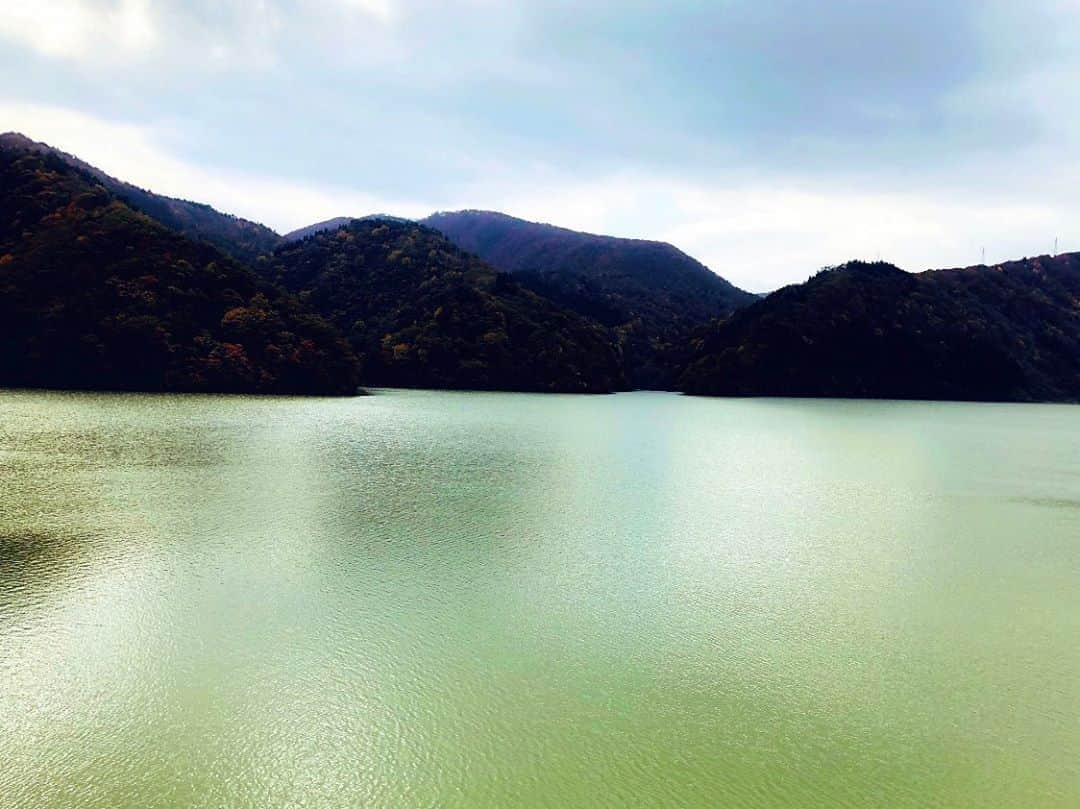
[651, 293]
[1009, 332]
[106, 286]
[624, 268]
[238, 237]
[335, 223]
[329, 224]
[422, 313]
[97, 295]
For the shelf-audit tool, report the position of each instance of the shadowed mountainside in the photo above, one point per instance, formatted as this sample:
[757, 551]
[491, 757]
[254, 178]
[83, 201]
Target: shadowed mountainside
[105, 285]
[238, 237]
[1010, 332]
[652, 294]
[422, 313]
[96, 295]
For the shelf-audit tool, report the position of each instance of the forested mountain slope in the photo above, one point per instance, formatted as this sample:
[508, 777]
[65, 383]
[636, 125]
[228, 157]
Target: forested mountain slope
[96, 295]
[1009, 332]
[651, 293]
[422, 313]
[238, 237]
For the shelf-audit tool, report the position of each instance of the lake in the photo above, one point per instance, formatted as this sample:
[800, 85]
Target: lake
[419, 599]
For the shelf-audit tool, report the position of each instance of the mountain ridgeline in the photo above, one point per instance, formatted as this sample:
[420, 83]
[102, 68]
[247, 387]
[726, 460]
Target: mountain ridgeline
[240, 238]
[422, 313]
[104, 285]
[335, 224]
[108, 286]
[650, 294]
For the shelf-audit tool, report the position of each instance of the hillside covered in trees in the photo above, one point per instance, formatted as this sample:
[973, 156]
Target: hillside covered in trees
[96, 295]
[238, 237]
[336, 223]
[650, 293]
[422, 313]
[1010, 332]
[106, 286]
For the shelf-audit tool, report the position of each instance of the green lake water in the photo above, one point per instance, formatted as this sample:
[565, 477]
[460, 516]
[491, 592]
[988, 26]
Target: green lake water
[421, 599]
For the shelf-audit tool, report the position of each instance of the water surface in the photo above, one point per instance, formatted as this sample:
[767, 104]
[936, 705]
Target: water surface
[423, 599]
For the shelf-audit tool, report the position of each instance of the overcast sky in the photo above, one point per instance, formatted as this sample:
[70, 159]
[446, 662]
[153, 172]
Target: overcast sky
[765, 138]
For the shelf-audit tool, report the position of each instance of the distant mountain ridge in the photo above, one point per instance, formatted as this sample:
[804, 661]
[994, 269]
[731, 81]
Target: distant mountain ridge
[338, 222]
[650, 292]
[519, 246]
[241, 238]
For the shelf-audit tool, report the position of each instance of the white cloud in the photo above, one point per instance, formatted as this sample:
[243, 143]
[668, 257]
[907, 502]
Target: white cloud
[382, 10]
[225, 34]
[765, 237]
[74, 29]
